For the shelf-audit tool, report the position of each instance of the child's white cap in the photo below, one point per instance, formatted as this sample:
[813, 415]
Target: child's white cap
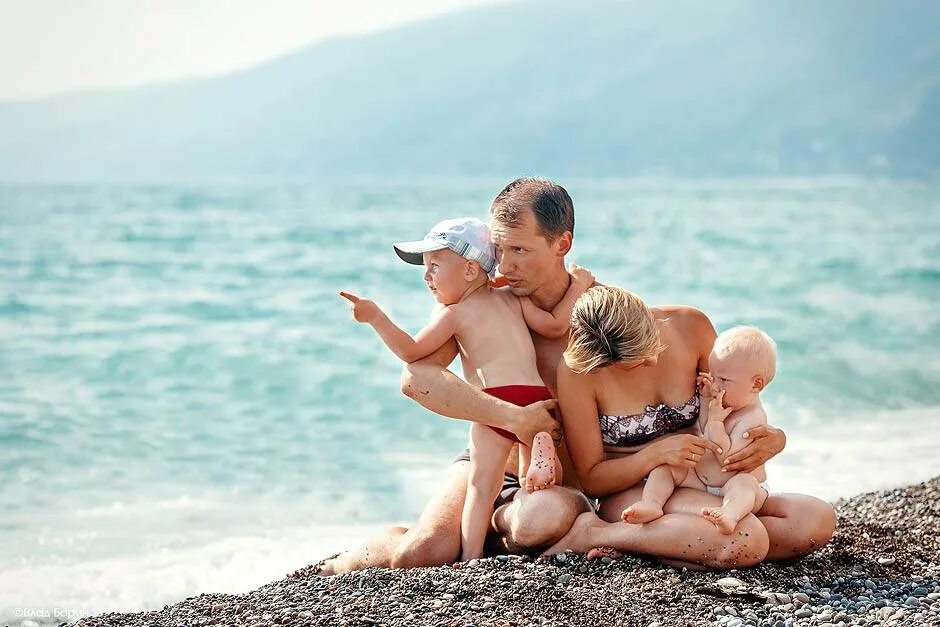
[468, 237]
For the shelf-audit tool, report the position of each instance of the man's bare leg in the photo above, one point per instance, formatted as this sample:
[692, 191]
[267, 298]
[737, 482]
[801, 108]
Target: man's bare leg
[796, 524]
[434, 540]
[685, 537]
[534, 520]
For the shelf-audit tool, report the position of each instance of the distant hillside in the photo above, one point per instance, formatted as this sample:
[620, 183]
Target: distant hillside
[560, 88]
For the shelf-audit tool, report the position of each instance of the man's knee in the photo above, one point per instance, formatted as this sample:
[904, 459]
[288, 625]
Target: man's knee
[428, 549]
[544, 517]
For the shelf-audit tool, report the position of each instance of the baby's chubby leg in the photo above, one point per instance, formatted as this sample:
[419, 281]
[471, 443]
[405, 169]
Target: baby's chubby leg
[742, 495]
[488, 452]
[659, 486]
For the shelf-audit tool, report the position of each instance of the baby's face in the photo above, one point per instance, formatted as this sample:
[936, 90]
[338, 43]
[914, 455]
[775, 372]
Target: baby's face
[735, 375]
[445, 274]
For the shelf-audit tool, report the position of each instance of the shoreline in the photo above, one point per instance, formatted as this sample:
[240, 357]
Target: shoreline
[882, 567]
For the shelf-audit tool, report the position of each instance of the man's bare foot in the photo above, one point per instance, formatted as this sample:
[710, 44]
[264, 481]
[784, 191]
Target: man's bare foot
[541, 473]
[604, 551]
[718, 517]
[641, 512]
[578, 538]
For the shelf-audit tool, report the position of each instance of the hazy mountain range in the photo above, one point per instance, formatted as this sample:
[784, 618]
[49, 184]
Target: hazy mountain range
[559, 88]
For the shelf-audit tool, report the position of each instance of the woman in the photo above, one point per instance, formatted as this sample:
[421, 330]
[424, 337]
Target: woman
[627, 383]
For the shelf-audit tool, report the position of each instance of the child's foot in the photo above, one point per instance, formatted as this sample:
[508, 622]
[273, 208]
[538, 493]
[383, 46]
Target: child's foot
[718, 517]
[604, 551]
[541, 473]
[641, 512]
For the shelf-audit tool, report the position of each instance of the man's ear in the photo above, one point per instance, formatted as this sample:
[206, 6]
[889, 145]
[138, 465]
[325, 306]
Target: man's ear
[758, 383]
[562, 244]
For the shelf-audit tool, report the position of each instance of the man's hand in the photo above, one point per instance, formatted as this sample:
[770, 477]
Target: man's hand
[683, 449]
[535, 418]
[716, 409]
[363, 309]
[705, 383]
[766, 441]
[581, 277]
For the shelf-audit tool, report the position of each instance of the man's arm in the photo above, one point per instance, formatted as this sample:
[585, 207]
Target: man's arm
[429, 383]
[555, 323]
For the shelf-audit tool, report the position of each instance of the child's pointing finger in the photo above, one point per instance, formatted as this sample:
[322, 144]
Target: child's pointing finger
[350, 297]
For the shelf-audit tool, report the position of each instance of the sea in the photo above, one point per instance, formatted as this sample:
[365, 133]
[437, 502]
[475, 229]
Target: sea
[187, 406]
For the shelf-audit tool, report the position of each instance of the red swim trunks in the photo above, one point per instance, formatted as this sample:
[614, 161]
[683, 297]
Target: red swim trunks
[520, 395]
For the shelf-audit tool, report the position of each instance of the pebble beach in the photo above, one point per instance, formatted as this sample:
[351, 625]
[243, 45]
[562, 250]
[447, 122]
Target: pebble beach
[882, 567]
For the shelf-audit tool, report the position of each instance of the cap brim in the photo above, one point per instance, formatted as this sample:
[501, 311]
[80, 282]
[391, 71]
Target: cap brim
[413, 252]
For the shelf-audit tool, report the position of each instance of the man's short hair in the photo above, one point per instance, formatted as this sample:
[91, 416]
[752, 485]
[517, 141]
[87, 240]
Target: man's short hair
[548, 201]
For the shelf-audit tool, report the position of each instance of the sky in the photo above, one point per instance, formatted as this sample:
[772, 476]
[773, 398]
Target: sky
[53, 46]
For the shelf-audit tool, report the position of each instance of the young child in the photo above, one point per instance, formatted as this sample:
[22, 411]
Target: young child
[741, 364]
[496, 350]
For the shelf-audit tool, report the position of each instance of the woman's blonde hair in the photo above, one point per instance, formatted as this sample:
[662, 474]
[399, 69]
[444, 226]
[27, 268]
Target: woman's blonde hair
[610, 325]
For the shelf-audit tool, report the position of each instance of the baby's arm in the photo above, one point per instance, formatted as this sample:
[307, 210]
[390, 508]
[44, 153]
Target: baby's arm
[555, 323]
[440, 329]
[712, 415]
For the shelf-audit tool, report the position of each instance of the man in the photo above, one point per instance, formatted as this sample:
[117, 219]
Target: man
[532, 224]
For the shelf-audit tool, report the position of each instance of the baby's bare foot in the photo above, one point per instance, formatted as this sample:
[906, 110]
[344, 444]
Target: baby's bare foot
[718, 517]
[641, 512]
[541, 473]
[604, 551]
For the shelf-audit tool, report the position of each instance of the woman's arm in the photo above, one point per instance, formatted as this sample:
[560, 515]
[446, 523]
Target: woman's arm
[598, 475]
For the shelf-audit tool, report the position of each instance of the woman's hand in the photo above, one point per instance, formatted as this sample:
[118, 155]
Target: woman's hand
[683, 450]
[765, 442]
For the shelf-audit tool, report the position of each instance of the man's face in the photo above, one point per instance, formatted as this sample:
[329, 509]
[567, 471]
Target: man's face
[523, 255]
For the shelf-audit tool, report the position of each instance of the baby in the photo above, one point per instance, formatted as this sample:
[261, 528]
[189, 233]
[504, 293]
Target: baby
[496, 350]
[742, 363]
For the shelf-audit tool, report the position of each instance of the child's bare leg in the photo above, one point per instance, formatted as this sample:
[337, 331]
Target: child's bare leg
[488, 452]
[659, 486]
[543, 471]
[742, 495]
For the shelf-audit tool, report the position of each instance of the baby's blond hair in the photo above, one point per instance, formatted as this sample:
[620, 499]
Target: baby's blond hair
[752, 344]
[609, 325]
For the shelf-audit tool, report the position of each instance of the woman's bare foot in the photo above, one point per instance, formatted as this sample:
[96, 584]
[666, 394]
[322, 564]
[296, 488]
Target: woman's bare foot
[718, 517]
[578, 538]
[641, 512]
[604, 551]
[541, 473]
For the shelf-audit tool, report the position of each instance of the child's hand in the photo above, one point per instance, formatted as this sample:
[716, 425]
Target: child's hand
[581, 277]
[716, 411]
[705, 383]
[363, 309]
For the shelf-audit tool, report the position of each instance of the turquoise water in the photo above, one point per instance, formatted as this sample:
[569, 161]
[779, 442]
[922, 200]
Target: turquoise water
[187, 406]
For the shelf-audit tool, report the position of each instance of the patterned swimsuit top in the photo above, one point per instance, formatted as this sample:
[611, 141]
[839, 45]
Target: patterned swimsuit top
[652, 423]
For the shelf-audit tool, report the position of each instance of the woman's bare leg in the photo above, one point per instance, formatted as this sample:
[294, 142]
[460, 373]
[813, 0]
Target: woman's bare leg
[684, 537]
[488, 452]
[796, 524]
